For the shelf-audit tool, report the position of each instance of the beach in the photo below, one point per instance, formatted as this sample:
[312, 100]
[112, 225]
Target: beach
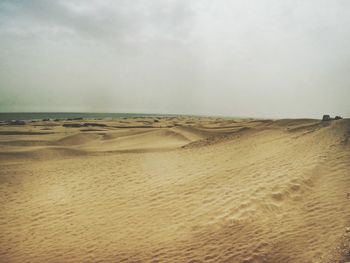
[175, 189]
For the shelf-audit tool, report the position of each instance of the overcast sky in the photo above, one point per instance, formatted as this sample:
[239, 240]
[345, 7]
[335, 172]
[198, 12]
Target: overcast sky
[258, 58]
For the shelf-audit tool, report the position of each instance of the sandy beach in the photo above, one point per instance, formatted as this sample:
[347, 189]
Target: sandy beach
[175, 189]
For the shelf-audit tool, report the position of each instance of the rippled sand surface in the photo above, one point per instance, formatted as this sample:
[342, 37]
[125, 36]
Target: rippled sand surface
[178, 189]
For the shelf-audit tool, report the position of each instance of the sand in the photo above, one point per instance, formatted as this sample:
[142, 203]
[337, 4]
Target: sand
[179, 189]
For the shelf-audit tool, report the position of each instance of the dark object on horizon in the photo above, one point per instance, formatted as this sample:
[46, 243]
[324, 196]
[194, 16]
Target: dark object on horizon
[326, 118]
[87, 124]
[46, 119]
[16, 122]
[338, 117]
[74, 119]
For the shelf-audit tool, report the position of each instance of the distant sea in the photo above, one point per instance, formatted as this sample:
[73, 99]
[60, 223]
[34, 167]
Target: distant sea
[8, 116]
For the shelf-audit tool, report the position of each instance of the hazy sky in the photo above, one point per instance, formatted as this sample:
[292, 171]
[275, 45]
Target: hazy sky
[262, 58]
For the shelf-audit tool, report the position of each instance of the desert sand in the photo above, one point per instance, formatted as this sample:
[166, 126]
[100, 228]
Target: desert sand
[175, 189]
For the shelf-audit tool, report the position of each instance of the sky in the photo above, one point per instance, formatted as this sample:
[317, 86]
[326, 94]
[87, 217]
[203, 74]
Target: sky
[256, 58]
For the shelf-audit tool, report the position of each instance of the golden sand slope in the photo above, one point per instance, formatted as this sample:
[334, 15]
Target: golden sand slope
[175, 190]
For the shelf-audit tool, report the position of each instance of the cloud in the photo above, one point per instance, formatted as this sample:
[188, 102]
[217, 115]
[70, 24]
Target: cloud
[255, 58]
[114, 21]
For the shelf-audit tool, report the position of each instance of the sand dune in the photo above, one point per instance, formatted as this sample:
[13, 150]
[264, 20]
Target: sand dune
[181, 189]
[77, 139]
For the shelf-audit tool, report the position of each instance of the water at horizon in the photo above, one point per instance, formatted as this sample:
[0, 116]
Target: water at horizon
[8, 116]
